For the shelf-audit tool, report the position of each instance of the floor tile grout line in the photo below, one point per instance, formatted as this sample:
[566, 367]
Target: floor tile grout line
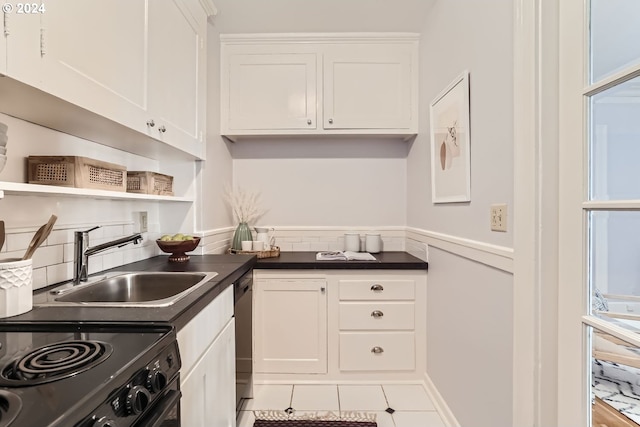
[293, 386]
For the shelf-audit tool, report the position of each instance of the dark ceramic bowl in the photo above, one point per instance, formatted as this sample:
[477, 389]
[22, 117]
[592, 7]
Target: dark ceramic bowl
[178, 249]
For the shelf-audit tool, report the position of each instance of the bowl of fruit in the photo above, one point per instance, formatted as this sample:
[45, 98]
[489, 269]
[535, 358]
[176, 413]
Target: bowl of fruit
[177, 245]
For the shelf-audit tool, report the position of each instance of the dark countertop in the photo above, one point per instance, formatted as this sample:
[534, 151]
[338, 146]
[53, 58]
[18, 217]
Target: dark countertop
[229, 269]
[307, 260]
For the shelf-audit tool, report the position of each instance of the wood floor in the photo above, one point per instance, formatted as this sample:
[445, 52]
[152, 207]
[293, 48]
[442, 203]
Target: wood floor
[605, 415]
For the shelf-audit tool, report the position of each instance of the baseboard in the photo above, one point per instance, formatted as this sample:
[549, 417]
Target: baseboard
[441, 406]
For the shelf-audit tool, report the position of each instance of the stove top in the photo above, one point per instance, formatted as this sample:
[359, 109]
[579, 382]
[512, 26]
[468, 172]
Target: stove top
[59, 374]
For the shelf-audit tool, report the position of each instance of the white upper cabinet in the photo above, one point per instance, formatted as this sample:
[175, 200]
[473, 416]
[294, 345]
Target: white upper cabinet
[368, 87]
[272, 91]
[95, 56]
[141, 64]
[3, 47]
[177, 72]
[319, 84]
[22, 33]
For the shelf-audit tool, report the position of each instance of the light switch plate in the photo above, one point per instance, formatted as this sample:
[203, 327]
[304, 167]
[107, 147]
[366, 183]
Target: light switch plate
[499, 217]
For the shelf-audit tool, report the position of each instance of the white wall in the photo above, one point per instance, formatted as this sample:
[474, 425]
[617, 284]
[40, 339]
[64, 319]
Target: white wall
[24, 214]
[215, 172]
[325, 182]
[469, 354]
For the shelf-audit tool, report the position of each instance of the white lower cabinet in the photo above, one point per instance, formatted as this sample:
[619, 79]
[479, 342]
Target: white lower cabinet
[290, 326]
[208, 396]
[377, 351]
[207, 375]
[366, 325]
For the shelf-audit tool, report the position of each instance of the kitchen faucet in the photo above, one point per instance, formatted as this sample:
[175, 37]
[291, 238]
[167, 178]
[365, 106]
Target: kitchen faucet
[83, 251]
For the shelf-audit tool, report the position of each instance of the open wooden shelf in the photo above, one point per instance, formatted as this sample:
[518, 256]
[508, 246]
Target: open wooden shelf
[21, 189]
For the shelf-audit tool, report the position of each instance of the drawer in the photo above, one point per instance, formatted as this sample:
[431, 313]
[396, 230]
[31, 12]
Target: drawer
[377, 315]
[377, 289]
[395, 351]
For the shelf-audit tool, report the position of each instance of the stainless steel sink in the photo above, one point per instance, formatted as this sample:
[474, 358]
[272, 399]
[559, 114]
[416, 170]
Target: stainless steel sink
[131, 289]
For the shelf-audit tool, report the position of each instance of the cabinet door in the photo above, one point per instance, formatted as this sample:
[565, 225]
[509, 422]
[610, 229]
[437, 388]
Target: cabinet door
[272, 91]
[22, 34]
[177, 76]
[3, 45]
[208, 392]
[290, 326]
[94, 54]
[368, 88]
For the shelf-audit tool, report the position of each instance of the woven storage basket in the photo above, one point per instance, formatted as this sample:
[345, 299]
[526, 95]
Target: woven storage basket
[149, 183]
[74, 171]
[273, 253]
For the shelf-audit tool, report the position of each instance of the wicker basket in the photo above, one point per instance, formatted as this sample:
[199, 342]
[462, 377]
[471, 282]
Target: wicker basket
[273, 253]
[149, 183]
[74, 171]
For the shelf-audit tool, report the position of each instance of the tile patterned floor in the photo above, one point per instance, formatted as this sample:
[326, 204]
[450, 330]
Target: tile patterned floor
[411, 403]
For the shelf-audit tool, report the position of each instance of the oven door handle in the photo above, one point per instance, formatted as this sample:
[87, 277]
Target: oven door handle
[162, 409]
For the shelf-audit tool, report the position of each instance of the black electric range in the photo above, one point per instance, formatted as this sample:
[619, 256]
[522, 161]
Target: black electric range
[88, 375]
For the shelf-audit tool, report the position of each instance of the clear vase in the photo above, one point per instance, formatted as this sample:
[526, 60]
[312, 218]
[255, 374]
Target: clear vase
[243, 232]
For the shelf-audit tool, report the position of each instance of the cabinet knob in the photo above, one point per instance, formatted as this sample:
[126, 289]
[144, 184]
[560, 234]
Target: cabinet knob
[162, 129]
[377, 313]
[377, 350]
[377, 288]
[330, 121]
[309, 122]
[151, 123]
[322, 289]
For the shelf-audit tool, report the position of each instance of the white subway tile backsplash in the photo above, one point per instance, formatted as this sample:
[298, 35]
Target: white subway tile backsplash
[48, 255]
[112, 259]
[39, 277]
[319, 246]
[59, 272]
[68, 252]
[18, 241]
[59, 237]
[286, 247]
[301, 247]
[95, 264]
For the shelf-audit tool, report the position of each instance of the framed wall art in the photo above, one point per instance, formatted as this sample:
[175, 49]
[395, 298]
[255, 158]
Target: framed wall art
[450, 143]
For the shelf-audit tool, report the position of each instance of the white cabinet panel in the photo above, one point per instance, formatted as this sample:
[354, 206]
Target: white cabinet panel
[208, 391]
[290, 326]
[375, 289]
[353, 84]
[140, 64]
[197, 335]
[367, 90]
[379, 315]
[381, 351]
[94, 55]
[22, 34]
[272, 91]
[176, 77]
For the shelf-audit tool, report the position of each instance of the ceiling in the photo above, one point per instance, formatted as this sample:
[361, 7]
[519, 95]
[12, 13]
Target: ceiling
[312, 16]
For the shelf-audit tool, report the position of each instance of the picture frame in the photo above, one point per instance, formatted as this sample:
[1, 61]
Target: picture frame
[450, 143]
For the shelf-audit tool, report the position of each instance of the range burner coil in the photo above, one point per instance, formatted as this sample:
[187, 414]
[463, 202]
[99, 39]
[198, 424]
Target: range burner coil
[56, 361]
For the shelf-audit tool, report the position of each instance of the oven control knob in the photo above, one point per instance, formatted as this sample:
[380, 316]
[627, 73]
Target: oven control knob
[104, 422]
[138, 399]
[156, 380]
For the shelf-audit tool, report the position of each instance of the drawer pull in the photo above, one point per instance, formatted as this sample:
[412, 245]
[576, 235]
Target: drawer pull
[377, 350]
[377, 288]
[377, 313]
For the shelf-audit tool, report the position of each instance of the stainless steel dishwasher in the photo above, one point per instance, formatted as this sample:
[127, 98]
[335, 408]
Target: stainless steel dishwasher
[243, 305]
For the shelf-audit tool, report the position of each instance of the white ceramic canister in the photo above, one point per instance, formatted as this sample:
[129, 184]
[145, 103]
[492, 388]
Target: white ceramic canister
[373, 243]
[352, 242]
[16, 286]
